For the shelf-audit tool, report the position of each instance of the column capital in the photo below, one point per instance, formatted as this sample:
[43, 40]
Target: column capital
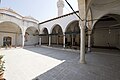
[82, 25]
[89, 32]
[63, 33]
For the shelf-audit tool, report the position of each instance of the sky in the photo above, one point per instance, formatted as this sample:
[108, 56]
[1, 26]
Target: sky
[39, 9]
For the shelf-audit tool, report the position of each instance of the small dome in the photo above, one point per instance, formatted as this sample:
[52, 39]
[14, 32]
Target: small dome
[29, 17]
[9, 9]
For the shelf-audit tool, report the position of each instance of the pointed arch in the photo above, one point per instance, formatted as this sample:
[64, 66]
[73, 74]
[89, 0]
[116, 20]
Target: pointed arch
[12, 30]
[31, 36]
[70, 25]
[106, 32]
[56, 26]
[44, 37]
[72, 34]
[57, 35]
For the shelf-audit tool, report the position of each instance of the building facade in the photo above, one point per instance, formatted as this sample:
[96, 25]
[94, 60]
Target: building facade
[14, 28]
[98, 26]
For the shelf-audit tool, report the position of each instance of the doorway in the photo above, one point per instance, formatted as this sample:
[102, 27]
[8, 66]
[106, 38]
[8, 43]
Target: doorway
[7, 41]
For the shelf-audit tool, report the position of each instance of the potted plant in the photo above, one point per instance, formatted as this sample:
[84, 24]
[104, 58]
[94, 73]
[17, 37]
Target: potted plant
[2, 68]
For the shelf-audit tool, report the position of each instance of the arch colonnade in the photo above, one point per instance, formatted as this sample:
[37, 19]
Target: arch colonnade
[98, 27]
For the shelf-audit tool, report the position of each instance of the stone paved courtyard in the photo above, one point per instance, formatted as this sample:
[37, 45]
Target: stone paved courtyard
[40, 63]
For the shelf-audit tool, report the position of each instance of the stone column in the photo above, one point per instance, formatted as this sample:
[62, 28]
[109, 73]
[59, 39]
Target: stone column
[57, 40]
[89, 40]
[63, 40]
[72, 40]
[83, 9]
[16, 40]
[23, 39]
[56, 36]
[49, 40]
[82, 45]
[40, 41]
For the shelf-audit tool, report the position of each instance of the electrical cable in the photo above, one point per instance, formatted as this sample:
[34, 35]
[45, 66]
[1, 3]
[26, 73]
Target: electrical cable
[73, 10]
[79, 16]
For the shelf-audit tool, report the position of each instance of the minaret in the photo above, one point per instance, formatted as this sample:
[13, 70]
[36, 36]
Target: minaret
[60, 5]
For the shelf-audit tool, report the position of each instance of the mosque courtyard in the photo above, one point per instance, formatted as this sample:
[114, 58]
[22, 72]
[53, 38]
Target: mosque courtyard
[43, 63]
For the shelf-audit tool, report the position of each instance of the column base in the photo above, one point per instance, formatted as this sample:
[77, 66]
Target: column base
[89, 50]
[22, 46]
[63, 46]
[83, 62]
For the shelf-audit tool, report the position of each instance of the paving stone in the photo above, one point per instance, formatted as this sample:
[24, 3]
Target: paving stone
[58, 64]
